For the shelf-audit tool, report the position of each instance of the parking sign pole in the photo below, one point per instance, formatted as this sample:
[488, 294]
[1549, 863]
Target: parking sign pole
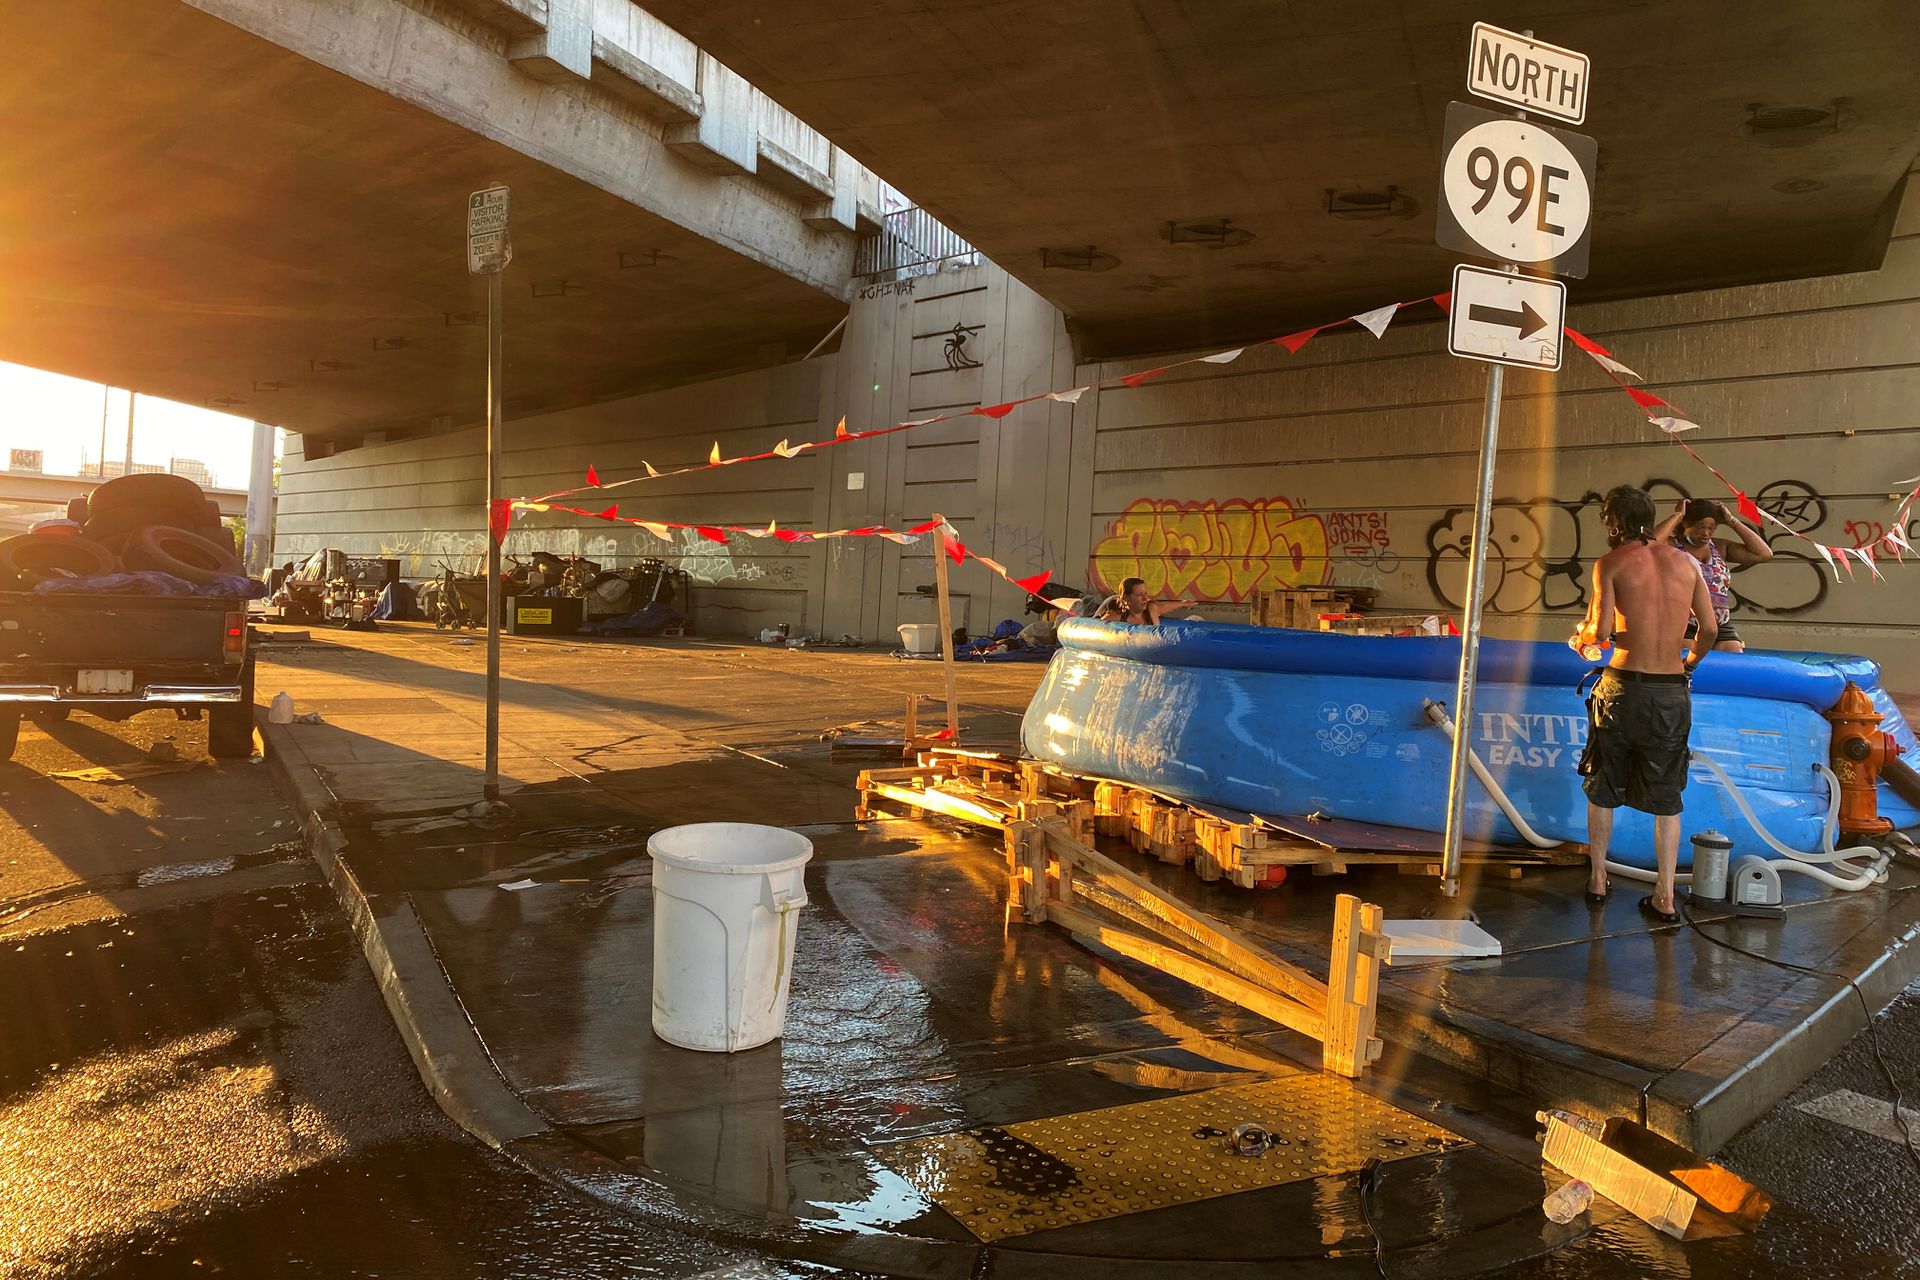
[495, 412]
[489, 250]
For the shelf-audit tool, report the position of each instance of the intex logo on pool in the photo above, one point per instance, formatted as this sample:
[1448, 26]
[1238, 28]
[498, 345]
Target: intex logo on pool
[1529, 739]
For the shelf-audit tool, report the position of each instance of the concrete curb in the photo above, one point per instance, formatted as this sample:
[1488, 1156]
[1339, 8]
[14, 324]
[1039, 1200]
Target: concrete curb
[446, 1049]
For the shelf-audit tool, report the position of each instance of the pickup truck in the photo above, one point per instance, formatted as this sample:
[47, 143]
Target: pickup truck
[118, 655]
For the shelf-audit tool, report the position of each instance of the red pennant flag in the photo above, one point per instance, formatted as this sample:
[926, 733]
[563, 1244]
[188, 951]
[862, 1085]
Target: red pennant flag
[1145, 375]
[928, 527]
[1032, 585]
[710, 533]
[1646, 399]
[1294, 341]
[958, 552]
[499, 517]
[1585, 343]
[1444, 301]
[1749, 509]
[611, 513]
[593, 477]
[995, 410]
[840, 427]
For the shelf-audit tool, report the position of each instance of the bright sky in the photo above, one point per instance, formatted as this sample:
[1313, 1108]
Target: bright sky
[61, 416]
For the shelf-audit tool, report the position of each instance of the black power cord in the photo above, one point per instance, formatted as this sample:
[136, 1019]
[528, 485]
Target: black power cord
[1873, 1031]
[1365, 1185]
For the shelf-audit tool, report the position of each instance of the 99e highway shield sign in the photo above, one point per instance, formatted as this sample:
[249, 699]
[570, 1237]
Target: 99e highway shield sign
[1516, 191]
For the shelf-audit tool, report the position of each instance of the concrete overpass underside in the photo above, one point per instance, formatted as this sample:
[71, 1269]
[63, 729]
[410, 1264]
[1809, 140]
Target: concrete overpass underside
[1738, 142]
[200, 213]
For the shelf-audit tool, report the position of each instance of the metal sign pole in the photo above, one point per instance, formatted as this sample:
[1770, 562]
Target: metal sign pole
[489, 250]
[495, 411]
[1470, 640]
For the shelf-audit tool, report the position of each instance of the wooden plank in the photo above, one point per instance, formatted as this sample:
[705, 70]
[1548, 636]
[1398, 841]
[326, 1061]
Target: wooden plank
[1353, 986]
[941, 802]
[1179, 964]
[946, 626]
[1215, 940]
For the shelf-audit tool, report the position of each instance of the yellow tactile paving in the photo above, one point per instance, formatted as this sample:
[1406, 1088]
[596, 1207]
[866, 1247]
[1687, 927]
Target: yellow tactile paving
[1039, 1174]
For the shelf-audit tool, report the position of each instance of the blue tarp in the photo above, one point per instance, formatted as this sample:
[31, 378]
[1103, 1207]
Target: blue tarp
[649, 620]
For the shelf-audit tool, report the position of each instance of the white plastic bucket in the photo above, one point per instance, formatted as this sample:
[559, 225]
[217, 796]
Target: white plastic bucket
[726, 906]
[920, 637]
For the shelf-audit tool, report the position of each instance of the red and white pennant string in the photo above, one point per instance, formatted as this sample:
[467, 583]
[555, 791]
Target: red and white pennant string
[1033, 585]
[1658, 411]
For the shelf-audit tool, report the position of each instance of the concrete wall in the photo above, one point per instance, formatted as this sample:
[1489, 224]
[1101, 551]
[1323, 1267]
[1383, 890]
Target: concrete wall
[1351, 462]
[421, 500]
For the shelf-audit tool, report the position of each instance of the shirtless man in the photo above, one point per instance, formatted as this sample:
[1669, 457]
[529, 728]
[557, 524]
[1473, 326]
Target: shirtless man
[1644, 593]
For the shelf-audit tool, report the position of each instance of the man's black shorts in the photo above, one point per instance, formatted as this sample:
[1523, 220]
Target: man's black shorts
[1727, 632]
[1637, 741]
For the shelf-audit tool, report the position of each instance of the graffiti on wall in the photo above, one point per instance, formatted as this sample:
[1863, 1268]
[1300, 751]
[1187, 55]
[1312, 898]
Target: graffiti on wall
[1540, 553]
[1213, 550]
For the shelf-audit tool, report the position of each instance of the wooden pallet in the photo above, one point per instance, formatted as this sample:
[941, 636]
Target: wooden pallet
[994, 791]
[1056, 877]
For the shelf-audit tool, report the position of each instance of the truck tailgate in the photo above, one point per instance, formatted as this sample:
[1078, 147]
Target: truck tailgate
[112, 630]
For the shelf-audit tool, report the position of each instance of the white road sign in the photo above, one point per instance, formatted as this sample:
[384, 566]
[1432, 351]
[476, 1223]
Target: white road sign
[1516, 190]
[1530, 74]
[489, 247]
[1507, 319]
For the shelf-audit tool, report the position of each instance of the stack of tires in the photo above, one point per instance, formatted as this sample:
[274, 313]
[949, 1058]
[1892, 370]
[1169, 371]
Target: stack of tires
[155, 522]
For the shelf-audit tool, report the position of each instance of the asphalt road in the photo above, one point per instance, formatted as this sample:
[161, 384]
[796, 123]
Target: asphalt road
[198, 1077]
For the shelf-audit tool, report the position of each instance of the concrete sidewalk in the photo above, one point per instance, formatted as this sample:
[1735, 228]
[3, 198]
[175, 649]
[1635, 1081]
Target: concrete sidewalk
[918, 1013]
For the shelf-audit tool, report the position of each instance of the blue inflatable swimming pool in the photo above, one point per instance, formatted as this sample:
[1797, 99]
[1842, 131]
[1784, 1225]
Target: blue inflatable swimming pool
[1286, 723]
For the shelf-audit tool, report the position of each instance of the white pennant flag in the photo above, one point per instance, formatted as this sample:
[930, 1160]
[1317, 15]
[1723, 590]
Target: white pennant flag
[1909, 480]
[651, 473]
[921, 422]
[1218, 357]
[992, 564]
[904, 539]
[659, 531]
[785, 450]
[1897, 538]
[1614, 366]
[1828, 557]
[1376, 321]
[1063, 603]
[1674, 426]
[1068, 397]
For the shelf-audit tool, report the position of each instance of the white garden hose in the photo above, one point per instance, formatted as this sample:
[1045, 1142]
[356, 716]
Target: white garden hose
[1808, 864]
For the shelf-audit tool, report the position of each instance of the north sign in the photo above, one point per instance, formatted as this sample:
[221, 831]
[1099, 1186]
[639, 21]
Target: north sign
[1527, 73]
[1516, 191]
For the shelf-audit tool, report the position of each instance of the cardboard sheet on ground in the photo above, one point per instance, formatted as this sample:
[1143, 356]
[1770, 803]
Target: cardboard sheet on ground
[129, 772]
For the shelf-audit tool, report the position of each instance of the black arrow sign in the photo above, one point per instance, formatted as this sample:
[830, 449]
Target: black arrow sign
[1526, 319]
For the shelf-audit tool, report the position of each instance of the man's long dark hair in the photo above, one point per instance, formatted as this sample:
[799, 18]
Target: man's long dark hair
[1626, 514]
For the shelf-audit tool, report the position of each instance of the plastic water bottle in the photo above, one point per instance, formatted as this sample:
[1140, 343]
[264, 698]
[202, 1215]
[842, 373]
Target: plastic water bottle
[1569, 1202]
[280, 710]
[1591, 652]
[1592, 1128]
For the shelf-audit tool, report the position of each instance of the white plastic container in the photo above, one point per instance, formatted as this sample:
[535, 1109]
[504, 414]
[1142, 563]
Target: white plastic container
[920, 637]
[726, 909]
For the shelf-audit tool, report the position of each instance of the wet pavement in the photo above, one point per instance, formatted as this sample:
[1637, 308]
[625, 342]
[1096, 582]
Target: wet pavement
[199, 1075]
[918, 1012]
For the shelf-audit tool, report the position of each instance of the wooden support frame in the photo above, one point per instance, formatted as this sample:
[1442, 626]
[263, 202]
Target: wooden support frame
[1054, 877]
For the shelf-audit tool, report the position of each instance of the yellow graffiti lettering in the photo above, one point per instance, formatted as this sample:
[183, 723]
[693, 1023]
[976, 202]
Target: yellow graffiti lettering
[1225, 550]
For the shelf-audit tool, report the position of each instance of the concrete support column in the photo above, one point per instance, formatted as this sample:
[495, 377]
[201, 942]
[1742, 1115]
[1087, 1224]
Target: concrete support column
[259, 549]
